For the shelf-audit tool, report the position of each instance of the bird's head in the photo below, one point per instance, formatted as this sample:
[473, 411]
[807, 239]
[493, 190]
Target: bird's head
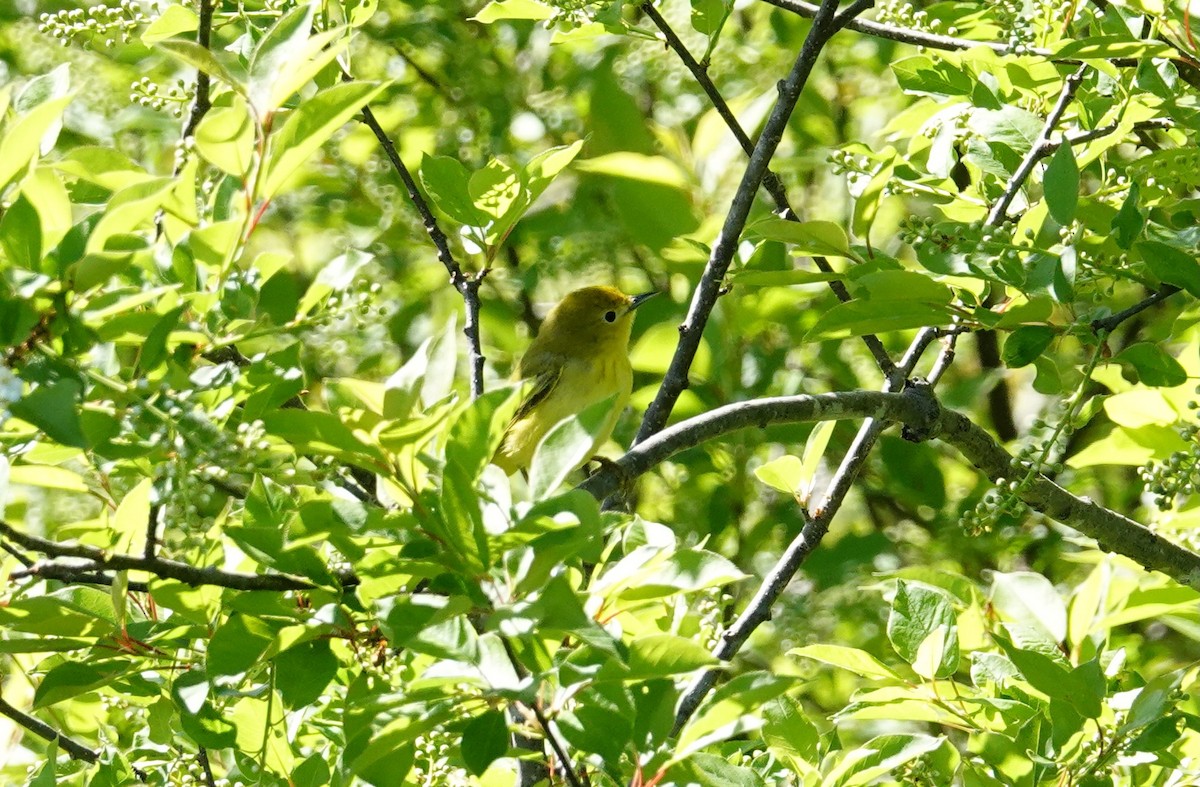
[590, 318]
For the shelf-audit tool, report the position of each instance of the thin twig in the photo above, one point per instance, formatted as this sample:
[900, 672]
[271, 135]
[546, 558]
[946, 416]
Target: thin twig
[205, 766]
[426, 76]
[1037, 151]
[945, 43]
[999, 404]
[559, 751]
[704, 297]
[467, 286]
[20, 557]
[944, 359]
[152, 531]
[43, 730]
[1108, 324]
[770, 181]
[97, 560]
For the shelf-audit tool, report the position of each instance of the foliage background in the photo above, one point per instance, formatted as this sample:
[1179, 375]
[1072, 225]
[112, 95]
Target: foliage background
[173, 367]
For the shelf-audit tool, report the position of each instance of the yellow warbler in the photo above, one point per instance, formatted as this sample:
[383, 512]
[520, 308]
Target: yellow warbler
[580, 357]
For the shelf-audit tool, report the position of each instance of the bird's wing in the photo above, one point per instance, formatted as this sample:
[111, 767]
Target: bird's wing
[543, 383]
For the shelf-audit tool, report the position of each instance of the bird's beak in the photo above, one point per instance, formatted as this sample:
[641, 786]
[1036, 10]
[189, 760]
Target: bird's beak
[638, 300]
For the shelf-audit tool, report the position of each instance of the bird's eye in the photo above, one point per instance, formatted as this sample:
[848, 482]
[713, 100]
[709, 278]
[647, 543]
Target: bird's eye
[610, 316]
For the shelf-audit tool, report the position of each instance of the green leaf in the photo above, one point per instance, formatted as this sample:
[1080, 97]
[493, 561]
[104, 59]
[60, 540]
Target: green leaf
[21, 234]
[662, 655]
[1061, 185]
[568, 445]
[22, 142]
[445, 180]
[1129, 221]
[53, 408]
[822, 238]
[72, 679]
[606, 707]
[1111, 47]
[312, 431]
[636, 167]
[920, 616]
[303, 671]
[1030, 601]
[237, 644]
[783, 473]
[192, 54]
[225, 137]
[857, 661]
[47, 775]
[902, 286]
[173, 21]
[1155, 700]
[1154, 366]
[646, 573]
[859, 317]
[1025, 344]
[460, 520]
[879, 757]
[286, 58]
[756, 278]
[337, 275]
[922, 74]
[1172, 265]
[476, 433]
[310, 126]
[484, 740]
[869, 197]
[788, 732]
[708, 16]
[497, 10]
[543, 168]
[1015, 128]
[814, 450]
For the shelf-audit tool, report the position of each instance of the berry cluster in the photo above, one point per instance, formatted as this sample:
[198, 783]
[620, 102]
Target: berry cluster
[1178, 476]
[109, 24]
[175, 99]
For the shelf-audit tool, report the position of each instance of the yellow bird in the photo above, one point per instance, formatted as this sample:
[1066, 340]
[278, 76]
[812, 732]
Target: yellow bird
[580, 357]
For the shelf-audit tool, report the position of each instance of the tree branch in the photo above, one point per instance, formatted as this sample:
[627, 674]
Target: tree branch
[43, 730]
[1038, 150]
[919, 410]
[564, 759]
[905, 35]
[206, 767]
[771, 182]
[1108, 324]
[467, 286]
[96, 560]
[1111, 530]
[201, 103]
[704, 298]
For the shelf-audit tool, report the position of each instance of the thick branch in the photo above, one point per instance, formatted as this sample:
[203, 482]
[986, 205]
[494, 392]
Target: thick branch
[917, 409]
[1112, 531]
[709, 289]
[43, 730]
[467, 286]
